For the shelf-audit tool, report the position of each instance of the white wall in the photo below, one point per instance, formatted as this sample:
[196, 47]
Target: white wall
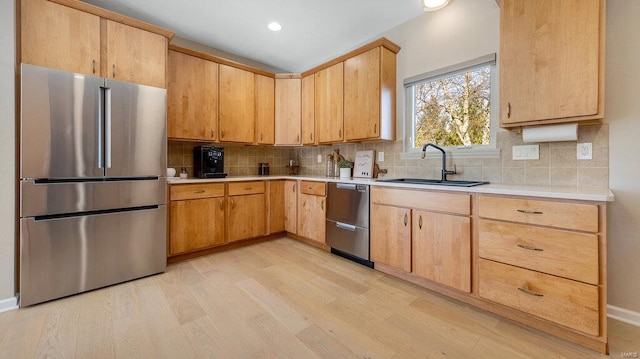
[622, 112]
[462, 31]
[7, 149]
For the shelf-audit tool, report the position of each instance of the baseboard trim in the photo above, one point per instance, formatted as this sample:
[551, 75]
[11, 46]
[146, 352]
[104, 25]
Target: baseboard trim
[8, 304]
[623, 315]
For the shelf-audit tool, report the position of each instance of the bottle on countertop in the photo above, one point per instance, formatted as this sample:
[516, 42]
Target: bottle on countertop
[330, 166]
[336, 158]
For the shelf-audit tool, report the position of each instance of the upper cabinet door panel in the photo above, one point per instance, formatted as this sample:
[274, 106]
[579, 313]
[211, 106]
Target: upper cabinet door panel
[192, 98]
[288, 111]
[308, 108]
[59, 37]
[329, 104]
[265, 110]
[237, 107]
[362, 95]
[135, 55]
[550, 60]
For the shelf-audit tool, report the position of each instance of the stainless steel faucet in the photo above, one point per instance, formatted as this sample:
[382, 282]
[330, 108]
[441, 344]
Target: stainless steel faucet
[444, 160]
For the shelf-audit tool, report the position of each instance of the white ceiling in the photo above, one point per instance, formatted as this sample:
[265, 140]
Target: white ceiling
[313, 31]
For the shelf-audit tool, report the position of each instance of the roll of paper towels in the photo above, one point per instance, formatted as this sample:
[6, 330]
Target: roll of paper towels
[564, 132]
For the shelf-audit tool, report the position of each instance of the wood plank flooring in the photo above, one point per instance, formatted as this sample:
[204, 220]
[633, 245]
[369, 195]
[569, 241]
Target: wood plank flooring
[276, 299]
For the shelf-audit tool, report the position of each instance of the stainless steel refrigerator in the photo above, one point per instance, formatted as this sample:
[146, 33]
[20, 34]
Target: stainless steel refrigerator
[92, 185]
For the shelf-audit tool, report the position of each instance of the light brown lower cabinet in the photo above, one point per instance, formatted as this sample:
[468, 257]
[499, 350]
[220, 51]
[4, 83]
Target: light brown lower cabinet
[276, 206]
[247, 217]
[291, 206]
[196, 217]
[312, 211]
[407, 234]
[390, 236]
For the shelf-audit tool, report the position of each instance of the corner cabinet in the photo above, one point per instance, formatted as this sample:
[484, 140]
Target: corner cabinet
[308, 131]
[291, 206]
[551, 61]
[236, 105]
[265, 110]
[370, 95]
[192, 98]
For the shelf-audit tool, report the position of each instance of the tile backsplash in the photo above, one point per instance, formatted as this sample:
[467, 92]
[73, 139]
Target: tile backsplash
[557, 164]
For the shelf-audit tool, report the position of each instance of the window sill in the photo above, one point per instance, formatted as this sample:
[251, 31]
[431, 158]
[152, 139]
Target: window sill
[455, 153]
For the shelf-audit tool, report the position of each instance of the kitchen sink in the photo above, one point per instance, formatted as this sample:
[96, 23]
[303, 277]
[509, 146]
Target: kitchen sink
[434, 182]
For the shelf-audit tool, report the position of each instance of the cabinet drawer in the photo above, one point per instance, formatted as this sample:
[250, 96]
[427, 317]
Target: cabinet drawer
[581, 217]
[563, 301]
[240, 188]
[194, 191]
[428, 201]
[563, 253]
[315, 188]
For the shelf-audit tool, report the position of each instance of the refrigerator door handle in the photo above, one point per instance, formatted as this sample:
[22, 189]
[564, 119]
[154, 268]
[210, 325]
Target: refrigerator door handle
[107, 127]
[100, 127]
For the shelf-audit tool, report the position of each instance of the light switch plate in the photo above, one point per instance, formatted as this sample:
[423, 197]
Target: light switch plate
[585, 151]
[319, 158]
[380, 156]
[527, 152]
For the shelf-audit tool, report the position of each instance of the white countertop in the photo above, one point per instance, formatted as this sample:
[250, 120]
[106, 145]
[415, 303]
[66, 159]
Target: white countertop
[559, 192]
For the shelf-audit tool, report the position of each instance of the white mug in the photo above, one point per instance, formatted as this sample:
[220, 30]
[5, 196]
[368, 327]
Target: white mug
[171, 172]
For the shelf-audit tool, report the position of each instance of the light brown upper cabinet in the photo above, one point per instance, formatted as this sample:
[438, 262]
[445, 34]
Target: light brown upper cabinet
[265, 108]
[81, 38]
[551, 61]
[308, 117]
[75, 46]
[329, 104]
[288, 111]
[236, 107]
[135, 55]
[192, 98]
[370, 95]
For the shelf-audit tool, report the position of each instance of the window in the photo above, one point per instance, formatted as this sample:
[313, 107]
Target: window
[452, 107]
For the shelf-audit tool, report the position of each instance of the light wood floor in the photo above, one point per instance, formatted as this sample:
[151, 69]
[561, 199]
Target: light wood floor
[276, 299]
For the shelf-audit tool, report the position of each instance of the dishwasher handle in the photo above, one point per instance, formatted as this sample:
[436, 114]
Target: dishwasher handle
[349, 186]
[348, 227]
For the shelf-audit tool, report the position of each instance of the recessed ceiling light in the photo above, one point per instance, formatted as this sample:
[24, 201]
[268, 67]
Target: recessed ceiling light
[274, 26]
[433, 5]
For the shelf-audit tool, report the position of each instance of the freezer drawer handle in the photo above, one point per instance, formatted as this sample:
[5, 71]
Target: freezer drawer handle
[348, 227]
[348, 186]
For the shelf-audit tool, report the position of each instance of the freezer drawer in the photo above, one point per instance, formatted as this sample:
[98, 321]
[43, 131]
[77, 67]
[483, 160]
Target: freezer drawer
[41, 199]
[348, 238]
[64, 256]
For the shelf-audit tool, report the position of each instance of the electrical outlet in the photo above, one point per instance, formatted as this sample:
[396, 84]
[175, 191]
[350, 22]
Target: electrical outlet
[380, 156]
[527, 152]
[319, 158]
[585, 151]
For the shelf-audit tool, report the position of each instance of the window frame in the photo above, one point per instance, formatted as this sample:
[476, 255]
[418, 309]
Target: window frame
[486, 151]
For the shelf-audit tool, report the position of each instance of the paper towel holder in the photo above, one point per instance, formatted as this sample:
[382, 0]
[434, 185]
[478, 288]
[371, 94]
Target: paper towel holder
[550, 133]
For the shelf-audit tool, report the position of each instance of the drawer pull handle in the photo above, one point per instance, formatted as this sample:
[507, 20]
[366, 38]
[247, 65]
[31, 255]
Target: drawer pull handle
[247, 188]
[529, 212]
[530, 292]
[199, 191]
[530, 248]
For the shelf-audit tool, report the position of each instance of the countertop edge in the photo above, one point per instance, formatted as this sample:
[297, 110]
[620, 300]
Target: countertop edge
[555, 192]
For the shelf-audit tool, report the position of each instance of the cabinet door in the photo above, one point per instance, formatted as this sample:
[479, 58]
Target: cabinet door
[135, 55]
[276, 206]
[308, 108]
[362, 95]
[236, 107]
[291, 206]
[196, 224]
[247, 217]
[312, 217]
[549, 59]
[288, 111]
[442, 249]
[192, 98]
[265, 110]
[391, 236]
[329, 104]
[59, 37]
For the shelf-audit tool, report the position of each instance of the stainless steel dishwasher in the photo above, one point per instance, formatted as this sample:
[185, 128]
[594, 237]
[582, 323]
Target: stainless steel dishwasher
[348, 221]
